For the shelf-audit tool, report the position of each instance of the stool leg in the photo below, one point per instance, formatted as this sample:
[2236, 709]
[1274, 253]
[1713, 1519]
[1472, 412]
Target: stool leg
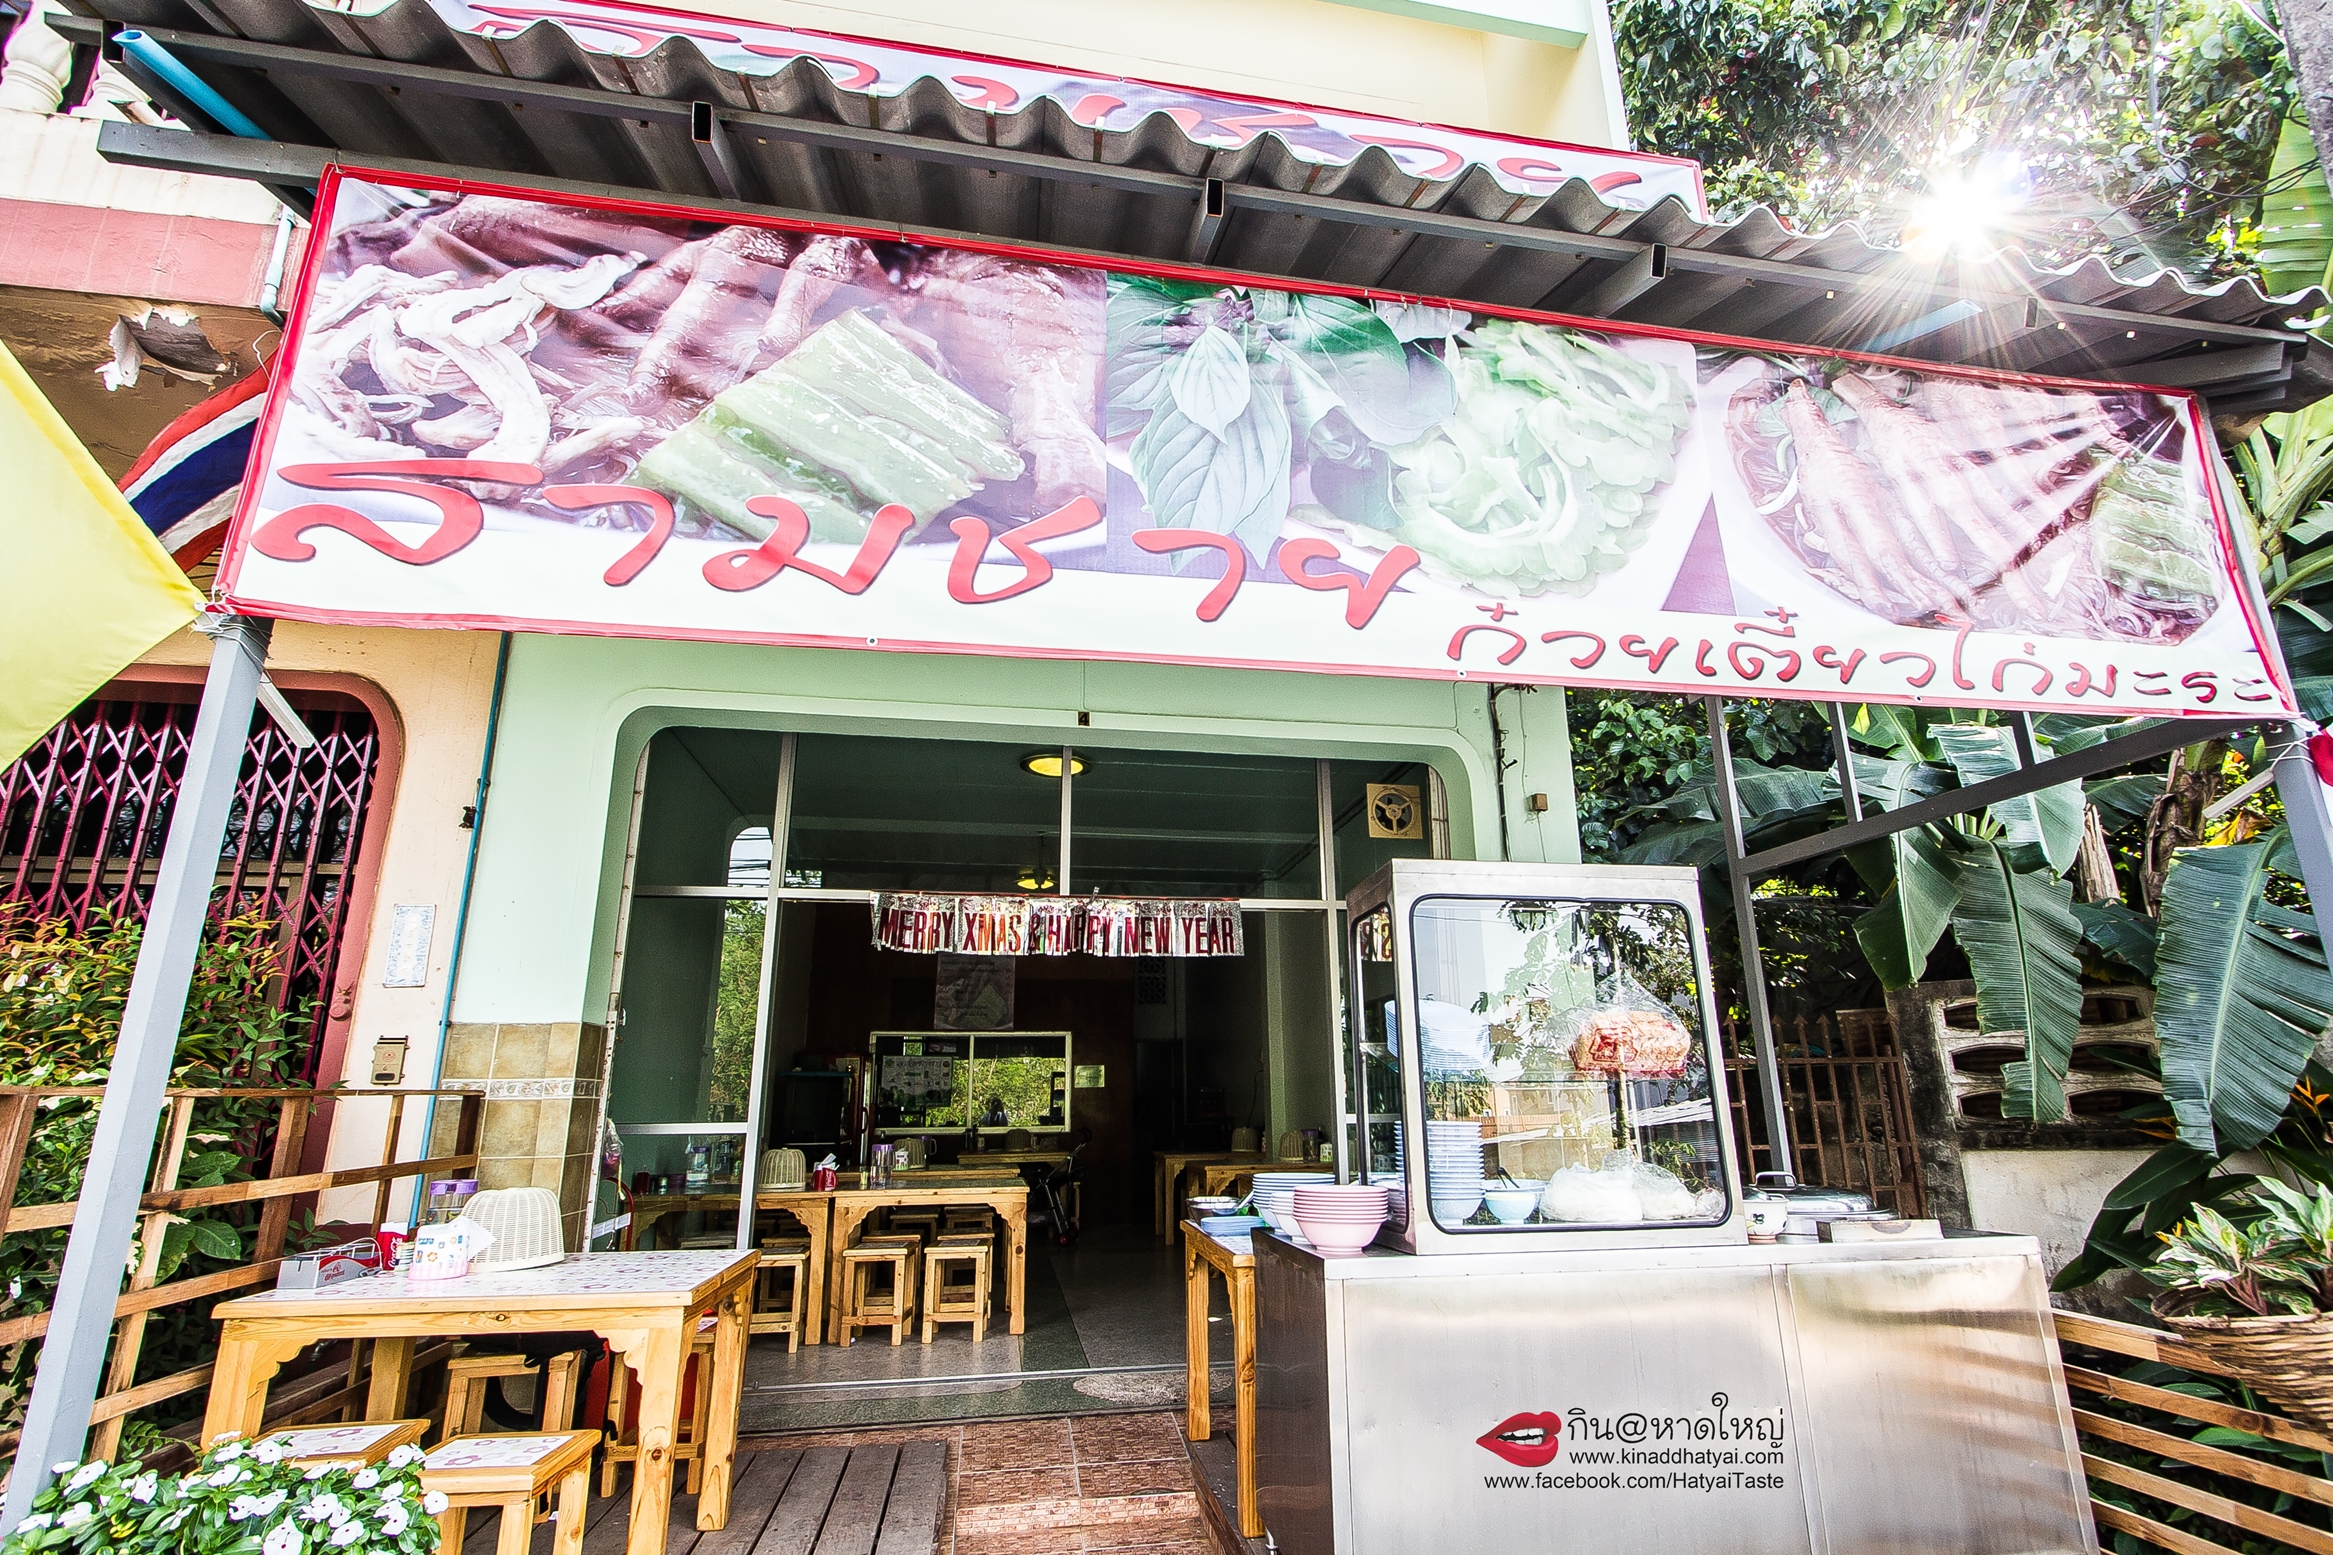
[929, 1322]
[560, 1380]
[701, 1422]
[618, 1375]
[452, 1523]
[518, 1526]
[979, 1300]
[574, 1491]
[457, 1405]
[801, 1280]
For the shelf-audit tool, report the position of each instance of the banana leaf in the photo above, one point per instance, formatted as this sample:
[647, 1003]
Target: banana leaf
[2024, 945]
[1900, 932]
[2121, 800]
[2050, 817]
[2241, 992]
[2296, 215]
[2119, 934]
[1900, 731]
[1889, 784]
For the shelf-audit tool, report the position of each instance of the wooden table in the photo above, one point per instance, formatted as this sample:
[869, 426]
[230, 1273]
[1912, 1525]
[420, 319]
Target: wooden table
[1233, 1260]
[645, 1305]
[1216, 1177]
[811, 1209]
[1167, 1168]
[1008, 1197]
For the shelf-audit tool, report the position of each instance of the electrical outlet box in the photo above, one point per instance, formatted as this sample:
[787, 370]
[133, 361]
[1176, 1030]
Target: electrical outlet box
[389, 1061]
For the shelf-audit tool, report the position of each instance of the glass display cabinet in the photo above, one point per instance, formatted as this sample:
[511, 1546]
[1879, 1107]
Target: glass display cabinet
[1532, 1059]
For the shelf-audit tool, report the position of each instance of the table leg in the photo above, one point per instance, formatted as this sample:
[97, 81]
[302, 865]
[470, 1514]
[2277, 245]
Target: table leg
[574, 1501]
[239, 1378]
[1016, 1275]
[392, 1370]
[719, 1448]
[838, 1238]
[1158, 1220]
[1243, 1350]
[818, 1225]
[655, 1356]
[1199, 1426]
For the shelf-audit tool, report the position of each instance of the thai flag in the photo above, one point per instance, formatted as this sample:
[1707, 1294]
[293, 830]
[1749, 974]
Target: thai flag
[185, 484]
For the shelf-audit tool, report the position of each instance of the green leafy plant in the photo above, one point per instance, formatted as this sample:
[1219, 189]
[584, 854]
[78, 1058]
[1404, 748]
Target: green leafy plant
[2220, 1269]
[240, 1499]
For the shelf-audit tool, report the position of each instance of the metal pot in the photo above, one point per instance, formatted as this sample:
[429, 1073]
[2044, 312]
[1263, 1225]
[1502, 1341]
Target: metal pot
[1806, 1207]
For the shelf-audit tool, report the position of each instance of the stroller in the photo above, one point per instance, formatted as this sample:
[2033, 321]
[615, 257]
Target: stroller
[1054, 1196]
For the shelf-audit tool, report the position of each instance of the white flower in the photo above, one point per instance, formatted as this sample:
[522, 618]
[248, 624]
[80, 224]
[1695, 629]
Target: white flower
[395, 1519]
[408, 1453]
[393, 1491]
[75, 1515]
[282, 1539]
[348, 1533]
[36, 1520]
[325, 1509]
[143, 1487]
[365, 1479]
[230, 1452]
[88, 1474]
[269, 1502]
[227, 1476]
[67, 1467]
[317, 1471]
[243, 1508]
[434, 1502]
[270, 1451]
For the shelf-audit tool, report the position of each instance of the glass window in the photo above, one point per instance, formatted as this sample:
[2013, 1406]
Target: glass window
[1381, 811]
[705, 820]
[1376, 1070]
[692, 982]
[932, 1082]
[1168, 823]
[1565, 1066]
[872, 814]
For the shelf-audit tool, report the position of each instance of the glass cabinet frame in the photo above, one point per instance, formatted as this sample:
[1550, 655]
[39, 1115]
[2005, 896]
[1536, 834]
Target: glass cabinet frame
[1384, 1062]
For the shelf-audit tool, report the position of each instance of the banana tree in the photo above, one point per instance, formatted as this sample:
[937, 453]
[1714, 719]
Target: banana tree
[2242, 981]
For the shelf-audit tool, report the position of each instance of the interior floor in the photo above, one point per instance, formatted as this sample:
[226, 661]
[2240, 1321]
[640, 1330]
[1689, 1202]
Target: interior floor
[1104, 1332]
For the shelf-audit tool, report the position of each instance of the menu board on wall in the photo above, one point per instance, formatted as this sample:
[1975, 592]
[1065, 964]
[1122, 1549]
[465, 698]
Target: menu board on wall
[504, 410]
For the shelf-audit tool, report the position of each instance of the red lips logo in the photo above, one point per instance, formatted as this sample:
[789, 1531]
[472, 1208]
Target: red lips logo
[1526, 1441]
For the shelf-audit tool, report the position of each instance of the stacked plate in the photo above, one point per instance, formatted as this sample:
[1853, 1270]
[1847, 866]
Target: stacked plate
[1275, 1196]
[1454, 1174]
[1339, 1220]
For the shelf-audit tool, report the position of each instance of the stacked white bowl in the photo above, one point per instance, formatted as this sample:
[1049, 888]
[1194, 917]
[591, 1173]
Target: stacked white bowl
[1339, 1220]
[1454, 1177]
[1275, 1196]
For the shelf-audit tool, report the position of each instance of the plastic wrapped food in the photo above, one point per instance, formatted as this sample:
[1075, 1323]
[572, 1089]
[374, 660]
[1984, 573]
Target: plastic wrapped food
[1662, 1194]
[1605, 1197]
[1631, 1041]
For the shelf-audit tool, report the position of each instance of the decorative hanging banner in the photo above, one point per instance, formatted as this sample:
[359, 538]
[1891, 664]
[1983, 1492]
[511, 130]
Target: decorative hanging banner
[868, 70]
[501, 410]
[1057, 925]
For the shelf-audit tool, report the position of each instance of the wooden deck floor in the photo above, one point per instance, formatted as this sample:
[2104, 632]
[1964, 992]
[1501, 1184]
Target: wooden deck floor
[869, 1500]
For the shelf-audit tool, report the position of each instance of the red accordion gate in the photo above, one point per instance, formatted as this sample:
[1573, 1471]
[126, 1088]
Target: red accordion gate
[83, 815]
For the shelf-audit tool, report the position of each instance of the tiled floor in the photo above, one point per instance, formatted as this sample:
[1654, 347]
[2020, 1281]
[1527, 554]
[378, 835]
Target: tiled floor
[1065, 1486]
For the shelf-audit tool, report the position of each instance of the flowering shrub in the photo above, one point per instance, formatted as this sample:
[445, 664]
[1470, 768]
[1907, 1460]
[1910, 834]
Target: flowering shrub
[240, 1499]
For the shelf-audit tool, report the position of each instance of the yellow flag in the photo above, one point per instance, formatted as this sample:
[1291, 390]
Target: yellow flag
[84, 585]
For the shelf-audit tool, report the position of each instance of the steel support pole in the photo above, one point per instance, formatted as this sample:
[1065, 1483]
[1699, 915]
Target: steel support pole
[2308, 816]
[1729, 817]
[72, 1355]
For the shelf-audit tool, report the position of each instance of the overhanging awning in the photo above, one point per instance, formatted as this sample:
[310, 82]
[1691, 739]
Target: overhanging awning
[404, 88]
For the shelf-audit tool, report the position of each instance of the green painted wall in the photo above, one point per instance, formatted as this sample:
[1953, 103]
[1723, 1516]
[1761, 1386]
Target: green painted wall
[578, 711]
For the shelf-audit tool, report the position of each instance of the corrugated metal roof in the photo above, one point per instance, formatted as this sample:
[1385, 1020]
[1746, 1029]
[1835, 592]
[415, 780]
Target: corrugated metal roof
[402, 86]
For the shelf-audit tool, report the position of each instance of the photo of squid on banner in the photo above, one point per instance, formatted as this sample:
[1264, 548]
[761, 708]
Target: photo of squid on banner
[502, 409]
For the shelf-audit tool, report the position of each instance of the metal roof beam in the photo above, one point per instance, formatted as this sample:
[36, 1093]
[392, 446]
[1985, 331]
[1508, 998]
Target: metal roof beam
[2106, 756]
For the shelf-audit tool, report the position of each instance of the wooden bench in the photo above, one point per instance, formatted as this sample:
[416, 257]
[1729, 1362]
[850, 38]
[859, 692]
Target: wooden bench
[509, 1472]
[467, 1377]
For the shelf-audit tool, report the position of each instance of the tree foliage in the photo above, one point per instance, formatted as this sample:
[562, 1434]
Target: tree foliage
[2130, 129]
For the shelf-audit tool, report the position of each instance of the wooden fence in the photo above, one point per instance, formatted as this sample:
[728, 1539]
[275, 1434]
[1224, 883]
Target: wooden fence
[2177, 1488]
[276, 1193]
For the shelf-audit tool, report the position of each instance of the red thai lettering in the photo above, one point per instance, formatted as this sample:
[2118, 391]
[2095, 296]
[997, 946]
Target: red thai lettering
[1751, 660]
[574, 499]
[2264, 694]
[736, 571]
[460, 518]
[1701, 664]
[2082, 684]
[1927, 673]
[1235, 562]
[1506, 655]
[1960, 640]
[1605, 183]
[2151, 691]
[1828, 657]
[1536, 169]
[1245, 125]
[1361, 597]
[2203, 683]
[1093, 108]
[849, 74]
[972, 541]
[1583, 660]
[986, 92]
[1450, 161]
[1634, 647]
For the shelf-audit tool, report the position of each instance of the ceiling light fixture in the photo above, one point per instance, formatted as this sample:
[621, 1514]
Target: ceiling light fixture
[1047, 764]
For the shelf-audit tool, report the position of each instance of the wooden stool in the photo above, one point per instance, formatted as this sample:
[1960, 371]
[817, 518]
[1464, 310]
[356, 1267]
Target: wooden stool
[509, 1471]
[467, 1376]
[917, 1222]
[953, 1302]
[624, 1445]
[349, 1446]
[768, 1317]
[863, 1306]
[964, 1218]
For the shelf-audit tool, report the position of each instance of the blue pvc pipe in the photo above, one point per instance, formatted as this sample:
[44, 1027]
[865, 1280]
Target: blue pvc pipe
[187, 84]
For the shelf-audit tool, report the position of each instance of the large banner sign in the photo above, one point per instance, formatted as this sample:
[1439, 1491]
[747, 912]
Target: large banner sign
[497, 410]
[1056, 925]
[876, 71]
